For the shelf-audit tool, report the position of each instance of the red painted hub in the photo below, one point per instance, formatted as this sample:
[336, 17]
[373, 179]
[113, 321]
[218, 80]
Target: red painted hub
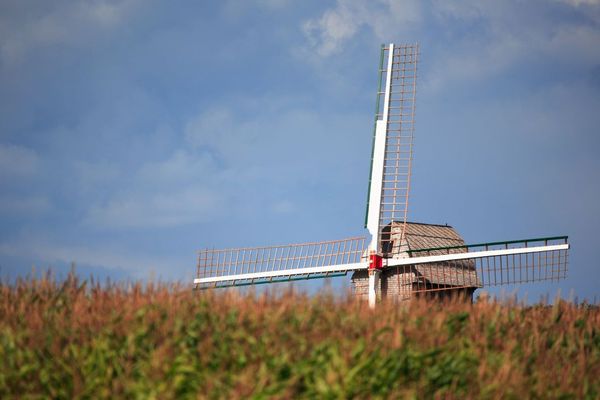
[375, 261]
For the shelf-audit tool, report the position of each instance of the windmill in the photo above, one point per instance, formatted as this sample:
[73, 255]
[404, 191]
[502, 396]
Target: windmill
[402, 259]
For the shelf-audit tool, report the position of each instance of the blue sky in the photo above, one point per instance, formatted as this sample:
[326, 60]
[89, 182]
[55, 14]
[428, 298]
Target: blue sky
[133, 133]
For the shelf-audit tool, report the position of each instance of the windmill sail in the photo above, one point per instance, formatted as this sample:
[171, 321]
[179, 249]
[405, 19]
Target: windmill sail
[243, 266]
[391, 160]
[485, 264]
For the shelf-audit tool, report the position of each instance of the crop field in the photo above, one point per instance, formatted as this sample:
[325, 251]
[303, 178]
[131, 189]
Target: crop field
[78, 339]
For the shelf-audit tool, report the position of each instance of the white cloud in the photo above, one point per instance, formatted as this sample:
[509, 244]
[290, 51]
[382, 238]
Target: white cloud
[328, 33]
[471, 40]
[95, 174]
[33, 26]
[510, 36]
[179, 190]
[228, 161]
[25, 206]
[237, 8]
[181, 168]
[283, 207]
[578, 3]
[17, 161]
[210, 128]
[48, 251]
[274, 4]
[333, 28]
[106, 13]
[237, 140]
[141, 209]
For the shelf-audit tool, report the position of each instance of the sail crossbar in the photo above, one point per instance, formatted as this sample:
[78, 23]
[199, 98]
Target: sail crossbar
[472, 255]
[321, 272]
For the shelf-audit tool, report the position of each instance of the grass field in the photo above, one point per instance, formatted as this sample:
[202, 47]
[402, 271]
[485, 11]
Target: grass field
[75, 339]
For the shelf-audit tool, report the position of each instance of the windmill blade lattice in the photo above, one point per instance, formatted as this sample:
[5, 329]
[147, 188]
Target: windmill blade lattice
[241, 266]
[482, 265]
[391, 162]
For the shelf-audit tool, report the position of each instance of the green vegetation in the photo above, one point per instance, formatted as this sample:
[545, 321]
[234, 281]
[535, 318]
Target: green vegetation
[77, 339]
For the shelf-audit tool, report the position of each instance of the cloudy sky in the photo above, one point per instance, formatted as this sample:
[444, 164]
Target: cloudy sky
[133, 133]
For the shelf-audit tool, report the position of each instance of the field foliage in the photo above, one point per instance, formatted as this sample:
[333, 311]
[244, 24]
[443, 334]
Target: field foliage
[78, 339]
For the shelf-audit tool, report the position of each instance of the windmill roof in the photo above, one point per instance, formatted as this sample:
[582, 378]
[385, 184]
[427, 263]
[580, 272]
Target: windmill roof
[425, 236]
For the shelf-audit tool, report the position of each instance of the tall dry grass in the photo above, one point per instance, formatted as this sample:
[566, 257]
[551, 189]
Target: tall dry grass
[77, 339]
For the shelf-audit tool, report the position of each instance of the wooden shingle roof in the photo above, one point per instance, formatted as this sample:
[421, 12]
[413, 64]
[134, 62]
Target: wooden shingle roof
[426, 236]
[420, 236]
